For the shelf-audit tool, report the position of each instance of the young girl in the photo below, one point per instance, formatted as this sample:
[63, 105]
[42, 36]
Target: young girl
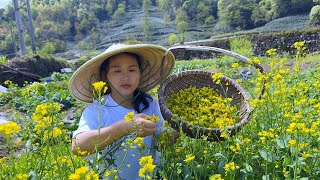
[130, 71]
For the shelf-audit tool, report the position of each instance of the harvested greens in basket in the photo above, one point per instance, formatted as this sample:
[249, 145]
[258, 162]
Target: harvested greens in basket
[203, 107]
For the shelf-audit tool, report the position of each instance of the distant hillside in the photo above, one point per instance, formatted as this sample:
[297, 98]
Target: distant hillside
[130, 27]
[86, 25]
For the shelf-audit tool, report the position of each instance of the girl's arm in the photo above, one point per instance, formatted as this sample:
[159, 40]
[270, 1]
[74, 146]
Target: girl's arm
[88, 141]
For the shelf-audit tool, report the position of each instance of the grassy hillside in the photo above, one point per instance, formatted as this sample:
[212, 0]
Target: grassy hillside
[288, 23]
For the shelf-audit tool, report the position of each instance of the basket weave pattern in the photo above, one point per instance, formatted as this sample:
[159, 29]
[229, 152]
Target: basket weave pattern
[228, 88]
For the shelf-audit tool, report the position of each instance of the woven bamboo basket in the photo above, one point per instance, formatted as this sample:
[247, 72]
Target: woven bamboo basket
[228, 88]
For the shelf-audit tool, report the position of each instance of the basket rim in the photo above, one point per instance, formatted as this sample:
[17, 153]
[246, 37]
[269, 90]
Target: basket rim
[244, 94]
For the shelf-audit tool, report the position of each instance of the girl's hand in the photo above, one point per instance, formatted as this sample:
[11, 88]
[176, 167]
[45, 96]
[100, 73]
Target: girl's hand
[141, 126]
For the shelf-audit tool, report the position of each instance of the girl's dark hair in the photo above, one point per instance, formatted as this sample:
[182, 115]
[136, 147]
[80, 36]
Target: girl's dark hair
[139, 97]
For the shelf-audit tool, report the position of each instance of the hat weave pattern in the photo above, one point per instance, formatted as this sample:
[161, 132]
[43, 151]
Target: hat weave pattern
[155, 67]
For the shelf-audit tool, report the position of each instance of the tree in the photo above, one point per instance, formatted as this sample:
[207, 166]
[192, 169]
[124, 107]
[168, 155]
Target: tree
[203, 12]
[120, 11]
[300, 6]
[146, 25]
[31, 29]
[167, 9]
[172, 39]
[182, 27]
[236, 13]
[314, 15]
[20, 28]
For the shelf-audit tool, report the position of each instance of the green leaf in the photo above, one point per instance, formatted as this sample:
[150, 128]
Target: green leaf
[268, 156]
[265, 177]
[248, 167]
[280, 143]
[220, 155]
[221, 167]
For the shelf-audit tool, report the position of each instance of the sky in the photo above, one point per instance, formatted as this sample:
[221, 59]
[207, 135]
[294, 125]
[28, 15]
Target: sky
[3, 3]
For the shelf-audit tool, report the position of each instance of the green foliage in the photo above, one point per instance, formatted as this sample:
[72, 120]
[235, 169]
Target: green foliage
[70, 20]
[182, 28]
[132, 41]
[172, 39]
[209, 20]
[59, 45]
[145, 20]
[181, 15]
[57, 76]
[191, 65]
[85, 45]
[28, 97]
[315, 15]
[82, 60]
[119, 12]
[47, 49]
[241, 46]
[3, 59]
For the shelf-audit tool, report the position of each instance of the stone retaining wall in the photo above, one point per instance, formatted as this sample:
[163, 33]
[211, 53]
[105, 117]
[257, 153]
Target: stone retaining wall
[282, 41]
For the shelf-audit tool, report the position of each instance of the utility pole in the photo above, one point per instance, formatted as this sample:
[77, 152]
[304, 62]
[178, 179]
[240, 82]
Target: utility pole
[19, 28]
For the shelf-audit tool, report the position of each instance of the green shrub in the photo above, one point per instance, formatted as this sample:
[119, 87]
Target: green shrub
[56, 76]
[241, 46]
[314, 15]
[132, 41]
[82, 60]
[85, 45]
[47, 49]
[59, 45]
[172, 39]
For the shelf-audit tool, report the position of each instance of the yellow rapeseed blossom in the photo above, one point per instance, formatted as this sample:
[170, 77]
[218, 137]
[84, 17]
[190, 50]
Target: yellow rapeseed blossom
[98, 86]
[111, 172]
[146, 166]
[216, 177]
[81, 173]
[139, 141]
[189, 158]
[254, 60]
[92, 176]
[230, 167]
[82, 170]
[271, 52]
[292, 142]
[235, 148]
[22, 176]
[74, 177]
[152, 118]
[235, 65]
[296, 68]
[8, 82]
[298, 45]
[216, 77]
[128, 117]
[9, 128]
[305, 155]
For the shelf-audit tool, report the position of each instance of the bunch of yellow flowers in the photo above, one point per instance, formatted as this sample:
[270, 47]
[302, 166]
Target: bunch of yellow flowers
[203, 107]
[83, 173]
[9, 128]
[147, 167]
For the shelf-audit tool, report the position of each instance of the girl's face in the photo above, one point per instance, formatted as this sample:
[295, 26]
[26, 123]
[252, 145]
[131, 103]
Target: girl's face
[123, 75]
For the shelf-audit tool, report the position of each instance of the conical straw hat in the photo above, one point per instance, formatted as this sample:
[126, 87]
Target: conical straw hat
[155, 67]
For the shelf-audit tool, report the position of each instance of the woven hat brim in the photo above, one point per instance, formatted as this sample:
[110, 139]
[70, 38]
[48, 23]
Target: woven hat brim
[154, 69]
